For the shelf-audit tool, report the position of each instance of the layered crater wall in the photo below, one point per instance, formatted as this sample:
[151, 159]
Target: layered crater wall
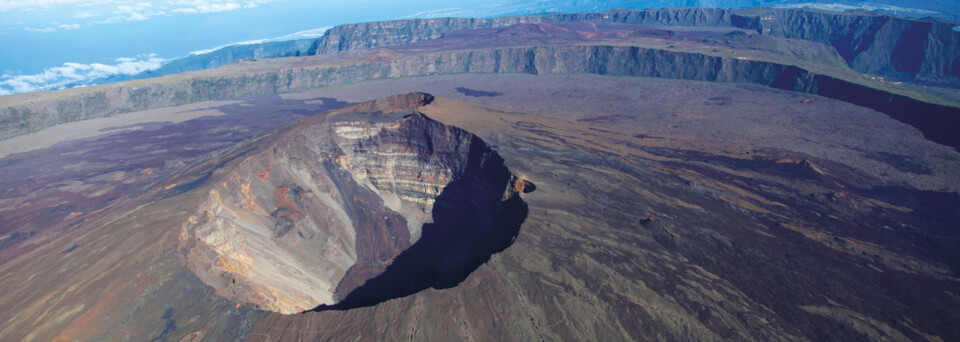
[328, 204]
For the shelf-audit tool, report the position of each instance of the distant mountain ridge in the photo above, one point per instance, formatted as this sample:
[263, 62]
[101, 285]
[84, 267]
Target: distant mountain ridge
[924, 48]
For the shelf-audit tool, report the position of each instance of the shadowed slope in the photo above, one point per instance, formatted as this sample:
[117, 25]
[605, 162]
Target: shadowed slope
[472, 219]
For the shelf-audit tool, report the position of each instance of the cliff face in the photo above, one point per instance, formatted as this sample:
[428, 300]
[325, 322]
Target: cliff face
[399, 32]
[329, 204]
[394, 32]
[870, 43]
[932, 119]
[875, 44]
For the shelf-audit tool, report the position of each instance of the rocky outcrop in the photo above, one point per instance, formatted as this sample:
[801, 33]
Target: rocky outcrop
[333, 202]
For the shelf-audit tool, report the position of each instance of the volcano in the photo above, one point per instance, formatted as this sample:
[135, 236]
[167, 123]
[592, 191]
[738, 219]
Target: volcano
[674, 174]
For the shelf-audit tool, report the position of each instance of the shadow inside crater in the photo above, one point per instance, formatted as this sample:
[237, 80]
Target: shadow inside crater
[471, 222]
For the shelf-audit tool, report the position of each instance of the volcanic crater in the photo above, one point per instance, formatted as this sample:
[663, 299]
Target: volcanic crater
[351, 208]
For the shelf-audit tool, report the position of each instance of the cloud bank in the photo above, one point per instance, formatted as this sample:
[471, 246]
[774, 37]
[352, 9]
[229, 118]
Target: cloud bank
[92, 12]
[312, 33]
[837, 7]
[71, 75]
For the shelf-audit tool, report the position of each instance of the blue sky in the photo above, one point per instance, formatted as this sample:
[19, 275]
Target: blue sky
[51, 44]
[37, 34]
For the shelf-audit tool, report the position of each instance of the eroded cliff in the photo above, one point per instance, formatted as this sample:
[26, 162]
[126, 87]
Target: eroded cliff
[869, 42]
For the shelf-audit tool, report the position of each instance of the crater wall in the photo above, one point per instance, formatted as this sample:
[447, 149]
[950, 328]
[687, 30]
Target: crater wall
[331, 202]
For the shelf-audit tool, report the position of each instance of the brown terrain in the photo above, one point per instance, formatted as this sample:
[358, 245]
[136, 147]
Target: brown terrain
[499, 206]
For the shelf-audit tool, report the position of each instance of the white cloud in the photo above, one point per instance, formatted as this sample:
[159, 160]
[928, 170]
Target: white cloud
[137, 12]
[71, 75]
[69, 26]
[85, 15]
[9, 5]
[219, 7]
[869, 7]
[491, 9]
[313, 33]
[210, 6]
[45, 29]
[437, 13]
[118, 11]
[248, 42]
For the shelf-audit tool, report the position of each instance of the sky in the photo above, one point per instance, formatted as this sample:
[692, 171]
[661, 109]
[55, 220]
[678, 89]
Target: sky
[53, 44]
[49, 44]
